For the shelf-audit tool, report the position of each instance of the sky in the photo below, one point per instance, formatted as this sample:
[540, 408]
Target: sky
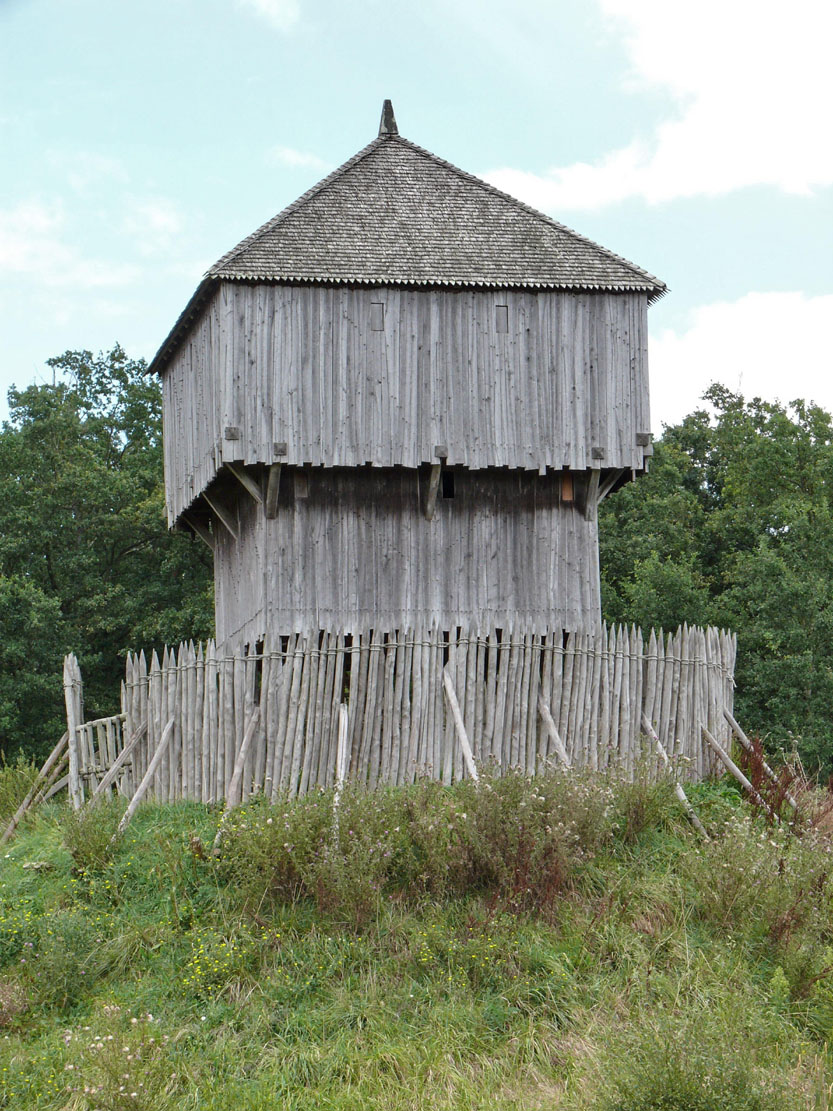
[141, 141]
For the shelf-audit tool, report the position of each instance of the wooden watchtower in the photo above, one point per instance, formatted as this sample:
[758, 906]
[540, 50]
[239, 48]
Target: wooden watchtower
[398, 403]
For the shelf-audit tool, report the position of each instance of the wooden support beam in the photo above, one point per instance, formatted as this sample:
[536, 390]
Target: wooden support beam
[591, 500]
[451, 694]
[608, 484]
[747, 744]
[110, 776]
[246, 481]
[440, 454]
[55, 788]
[549, 724]
[199, 529]
[273, 486]
[734, 770]
[433, 488]
[222, 514]
[141, 790]
[235, 792]
[40, 780]
[678, 789]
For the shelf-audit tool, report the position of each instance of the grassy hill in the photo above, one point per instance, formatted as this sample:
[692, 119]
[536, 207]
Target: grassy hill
[565, 942]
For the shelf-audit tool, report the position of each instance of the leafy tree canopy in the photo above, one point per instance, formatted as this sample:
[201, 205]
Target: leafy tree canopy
[734, 527]
[86, 560]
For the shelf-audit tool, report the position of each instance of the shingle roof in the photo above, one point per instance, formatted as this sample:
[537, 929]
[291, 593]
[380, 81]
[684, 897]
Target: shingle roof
[398, 214]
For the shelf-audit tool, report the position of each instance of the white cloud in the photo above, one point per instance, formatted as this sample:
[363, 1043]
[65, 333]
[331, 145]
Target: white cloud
[753, 85]
[295, 159]
[85, 170]
[281, 14]
[31, 244]
[769, 345]
[154, 223]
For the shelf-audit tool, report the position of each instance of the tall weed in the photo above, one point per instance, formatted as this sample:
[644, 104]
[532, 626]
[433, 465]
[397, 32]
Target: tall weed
[518, 841]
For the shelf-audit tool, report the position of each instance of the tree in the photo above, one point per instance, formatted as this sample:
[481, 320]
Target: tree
[734, 526]
[86, 560]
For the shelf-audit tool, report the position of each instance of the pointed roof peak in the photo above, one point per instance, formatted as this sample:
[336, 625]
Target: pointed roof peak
[387, 124]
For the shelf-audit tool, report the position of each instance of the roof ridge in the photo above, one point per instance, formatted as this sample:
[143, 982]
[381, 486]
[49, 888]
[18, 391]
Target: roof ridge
[215, 270]
[493, 189]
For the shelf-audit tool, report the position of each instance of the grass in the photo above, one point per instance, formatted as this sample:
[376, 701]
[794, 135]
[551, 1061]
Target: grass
[558, 943]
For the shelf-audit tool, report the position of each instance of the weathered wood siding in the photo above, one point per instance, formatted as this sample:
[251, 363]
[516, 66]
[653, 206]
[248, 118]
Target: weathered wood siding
[357, 553]
[342, 383]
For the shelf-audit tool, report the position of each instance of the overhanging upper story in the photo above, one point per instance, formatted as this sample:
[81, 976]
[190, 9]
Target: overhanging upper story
[403, 308]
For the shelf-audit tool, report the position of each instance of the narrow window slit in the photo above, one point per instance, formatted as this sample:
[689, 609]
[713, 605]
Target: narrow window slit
[501, 318]
[377, 316]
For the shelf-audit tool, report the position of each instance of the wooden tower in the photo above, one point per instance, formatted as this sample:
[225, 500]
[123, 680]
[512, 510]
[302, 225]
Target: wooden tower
[398, 403]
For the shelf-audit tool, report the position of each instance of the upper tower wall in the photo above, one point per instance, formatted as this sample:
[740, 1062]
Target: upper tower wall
[342, 377]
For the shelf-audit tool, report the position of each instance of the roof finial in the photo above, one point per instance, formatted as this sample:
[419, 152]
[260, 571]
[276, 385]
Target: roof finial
[387, 125]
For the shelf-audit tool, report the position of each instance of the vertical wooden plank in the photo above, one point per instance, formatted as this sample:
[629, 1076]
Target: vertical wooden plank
[297, 716]
[314, 722]
[380, 755]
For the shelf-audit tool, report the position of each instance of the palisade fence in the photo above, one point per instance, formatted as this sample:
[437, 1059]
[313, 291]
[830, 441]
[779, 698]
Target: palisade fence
[212, 726]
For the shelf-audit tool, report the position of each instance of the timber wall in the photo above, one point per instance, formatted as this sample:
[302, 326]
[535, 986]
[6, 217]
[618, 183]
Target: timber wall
[336, 382]
[191, 710]
[352, 550]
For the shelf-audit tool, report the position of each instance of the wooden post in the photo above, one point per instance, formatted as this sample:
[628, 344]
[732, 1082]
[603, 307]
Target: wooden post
[72, 700]
[141, 790]
[549, 724]
[341, 764]
[732, 767]
[747, 744]
[678, 789]
[468, 756]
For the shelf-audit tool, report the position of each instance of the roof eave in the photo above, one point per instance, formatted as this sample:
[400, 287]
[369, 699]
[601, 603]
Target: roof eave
[184, 320]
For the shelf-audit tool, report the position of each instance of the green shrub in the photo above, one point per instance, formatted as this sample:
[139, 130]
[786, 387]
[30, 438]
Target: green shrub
[517, 839]
[766, 886]
[15, 781]
[90, 834]
[674, 1079]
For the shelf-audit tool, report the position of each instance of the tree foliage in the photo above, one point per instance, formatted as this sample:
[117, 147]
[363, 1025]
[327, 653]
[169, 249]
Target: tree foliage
[734, 527]
[86, 560]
